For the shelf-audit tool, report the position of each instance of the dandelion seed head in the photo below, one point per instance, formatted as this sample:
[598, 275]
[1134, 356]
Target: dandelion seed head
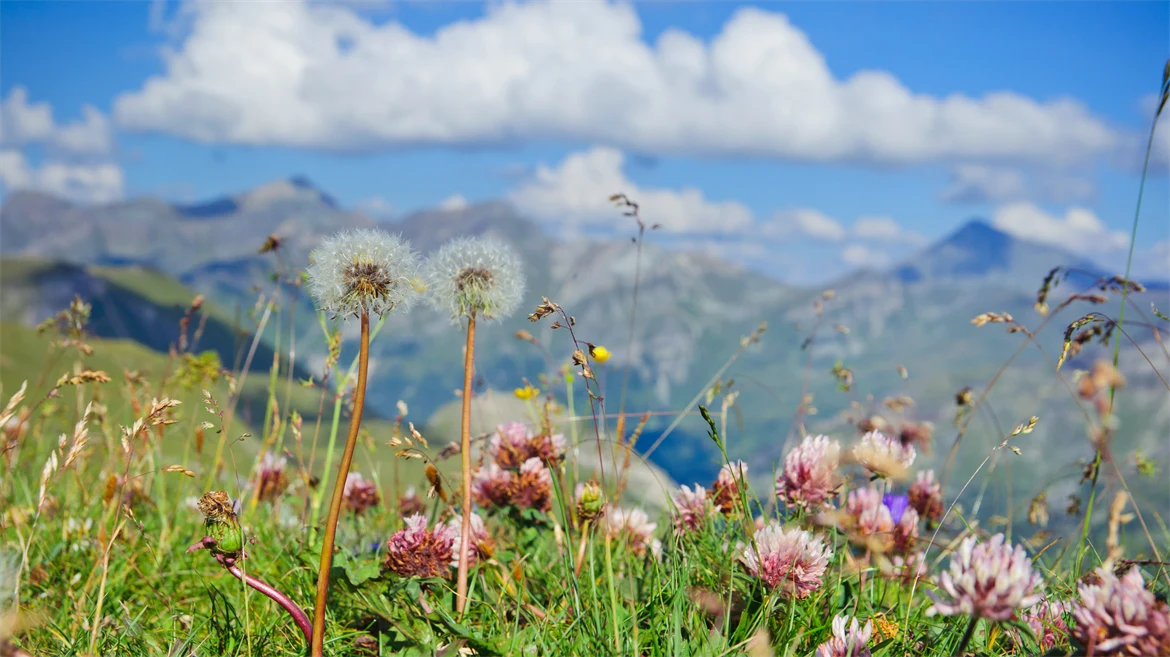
[475, 275]
[363, 271]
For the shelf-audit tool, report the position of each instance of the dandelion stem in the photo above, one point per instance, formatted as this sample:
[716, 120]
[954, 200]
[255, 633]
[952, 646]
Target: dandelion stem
[465, 448]
[967, 636]
[279, 598]
[359, 400]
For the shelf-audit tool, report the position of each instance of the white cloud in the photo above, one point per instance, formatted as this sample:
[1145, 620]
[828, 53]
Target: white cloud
[1078, 230]
[84, 183]
[323, 76]
[22, 123]
[376, 206]
[576, 194]
[453, 203]
[804, 222]
[859, 255]
[886, 230]
[977, 183]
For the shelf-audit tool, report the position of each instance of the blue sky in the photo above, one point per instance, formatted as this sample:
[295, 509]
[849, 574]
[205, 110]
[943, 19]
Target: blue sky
[801, 139]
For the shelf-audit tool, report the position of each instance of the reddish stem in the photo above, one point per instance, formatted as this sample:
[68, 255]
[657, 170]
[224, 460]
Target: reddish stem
[299, 616]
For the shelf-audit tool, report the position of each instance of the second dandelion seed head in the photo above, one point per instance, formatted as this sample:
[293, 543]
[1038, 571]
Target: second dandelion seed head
[479, 276]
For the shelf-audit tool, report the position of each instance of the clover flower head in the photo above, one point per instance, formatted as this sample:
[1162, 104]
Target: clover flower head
[1047, 622]
[1119, 616]
[884, 455]
[359, 493]
[474, 275]
[512, 444]
[410, 503]
[809, 479]
[726, 489]
[270, 477]
[792, 561]
[850, 639]
[693, 508]
[533, 486]
[987, 580]
[482, 545]
[492, 486]
[363, 271]
[926, 496]
[634, 526]
[417, 551]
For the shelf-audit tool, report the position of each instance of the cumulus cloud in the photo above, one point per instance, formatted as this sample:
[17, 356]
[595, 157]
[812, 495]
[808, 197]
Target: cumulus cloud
[82, 182]
[978, 183]
[453, 203]
[1078, 230]
[23, 123]
[323, 76]
[576, 194]
[860, 255]
[804, 222]
[886, 230]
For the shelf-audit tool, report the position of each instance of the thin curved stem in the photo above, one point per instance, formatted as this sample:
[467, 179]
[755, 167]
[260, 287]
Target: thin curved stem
[465, 448]
[299, 616]
[359, 401]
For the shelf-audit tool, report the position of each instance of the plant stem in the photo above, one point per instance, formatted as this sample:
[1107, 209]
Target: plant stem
[359, 400]
[279, 598]
[465, 448]
[967, 636]
[613, 608]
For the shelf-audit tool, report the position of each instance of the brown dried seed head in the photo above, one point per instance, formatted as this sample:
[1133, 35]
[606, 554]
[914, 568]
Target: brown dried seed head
[216, 505]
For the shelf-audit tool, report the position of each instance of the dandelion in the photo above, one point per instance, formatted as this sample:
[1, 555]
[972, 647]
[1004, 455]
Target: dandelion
[791, 561]
[986, 580]
[479, 276]
[472, 278]
[850, 639]
[1118, 616]
[694, 507]
[635, 526]
[417, 551]
[357, 273]
[270, 479]
[360, 493]
[727, 485]
[883, 455]
[809, 479]
[354, 273]
[925, 496]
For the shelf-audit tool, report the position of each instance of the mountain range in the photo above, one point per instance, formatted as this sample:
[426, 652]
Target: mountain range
[693, 310]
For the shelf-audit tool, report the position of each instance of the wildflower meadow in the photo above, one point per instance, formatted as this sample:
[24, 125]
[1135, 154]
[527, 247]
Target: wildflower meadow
[142, 515]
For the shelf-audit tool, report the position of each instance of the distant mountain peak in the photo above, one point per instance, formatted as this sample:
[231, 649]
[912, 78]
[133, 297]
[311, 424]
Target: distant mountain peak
[294, 189]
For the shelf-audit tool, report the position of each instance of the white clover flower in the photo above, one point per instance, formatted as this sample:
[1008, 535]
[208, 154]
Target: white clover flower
[363, 271]
[480, 275]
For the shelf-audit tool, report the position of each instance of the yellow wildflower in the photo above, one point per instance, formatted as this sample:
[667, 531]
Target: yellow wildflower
[599, 353]
[527, 392]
